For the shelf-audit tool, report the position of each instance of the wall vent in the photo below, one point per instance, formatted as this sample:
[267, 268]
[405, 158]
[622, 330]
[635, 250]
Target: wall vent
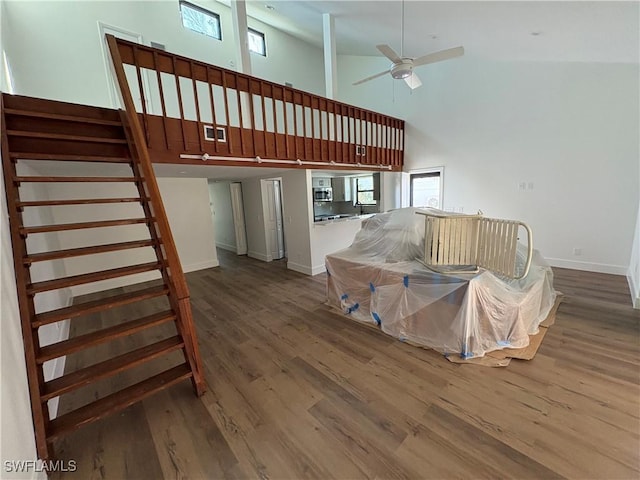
[361, 150]
[215, 133]
[157, 45]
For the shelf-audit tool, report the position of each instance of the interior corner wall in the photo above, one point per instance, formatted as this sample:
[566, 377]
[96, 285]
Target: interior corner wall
[222, 213]
[555, 145]
[62, 57]
[633, 275]
[297, 213]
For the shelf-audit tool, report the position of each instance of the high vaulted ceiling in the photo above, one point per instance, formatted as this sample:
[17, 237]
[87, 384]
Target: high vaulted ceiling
[578, 31]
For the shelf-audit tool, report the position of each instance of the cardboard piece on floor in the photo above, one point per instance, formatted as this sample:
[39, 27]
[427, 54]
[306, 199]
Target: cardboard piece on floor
[501, 358]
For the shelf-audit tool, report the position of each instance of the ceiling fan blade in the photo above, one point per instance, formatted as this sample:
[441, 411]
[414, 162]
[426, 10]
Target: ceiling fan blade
[389, 52]
[438, 56]
[413, 81]
[371, 77]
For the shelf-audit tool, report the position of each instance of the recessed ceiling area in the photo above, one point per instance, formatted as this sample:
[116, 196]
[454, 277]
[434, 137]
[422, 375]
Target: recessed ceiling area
[578, 31]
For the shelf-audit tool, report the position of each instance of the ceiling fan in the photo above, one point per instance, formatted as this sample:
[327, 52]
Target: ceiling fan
[402, 67]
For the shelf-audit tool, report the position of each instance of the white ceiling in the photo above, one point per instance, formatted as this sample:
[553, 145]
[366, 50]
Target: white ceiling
[579, 31]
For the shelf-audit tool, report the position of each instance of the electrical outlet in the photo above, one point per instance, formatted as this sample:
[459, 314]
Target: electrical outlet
[577, 251]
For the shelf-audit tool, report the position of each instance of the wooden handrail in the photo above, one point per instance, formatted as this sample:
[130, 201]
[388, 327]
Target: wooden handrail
[295, 125]
[146, 169]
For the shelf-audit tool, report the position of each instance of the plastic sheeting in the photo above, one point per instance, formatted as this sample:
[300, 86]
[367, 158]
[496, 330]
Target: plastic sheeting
[378, 280]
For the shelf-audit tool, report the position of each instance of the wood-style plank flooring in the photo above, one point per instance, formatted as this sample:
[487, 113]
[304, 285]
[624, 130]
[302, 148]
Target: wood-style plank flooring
[298, 391]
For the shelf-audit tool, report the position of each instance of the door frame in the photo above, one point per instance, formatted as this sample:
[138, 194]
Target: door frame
[103, 29]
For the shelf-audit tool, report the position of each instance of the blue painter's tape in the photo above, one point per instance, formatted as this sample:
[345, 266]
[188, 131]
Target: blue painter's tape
[406, 281]
[376, 317]
[344, 296]
[371, 287]
[504, 343]
[353, 308]
[466, 355]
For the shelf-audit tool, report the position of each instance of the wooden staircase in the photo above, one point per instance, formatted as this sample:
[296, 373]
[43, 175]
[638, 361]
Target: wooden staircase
[36, 131]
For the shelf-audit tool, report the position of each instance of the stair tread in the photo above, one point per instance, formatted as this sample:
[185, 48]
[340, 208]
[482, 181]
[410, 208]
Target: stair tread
[76, 179]
[86, 308]
[68, 158]
[65, 282]
[110, 367]
[77, 226]
[76, 252]
[85, 201]
[117, 401]
[58, 116]
[64, 136]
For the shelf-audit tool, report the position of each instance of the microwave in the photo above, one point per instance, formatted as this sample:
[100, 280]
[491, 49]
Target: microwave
[322, 194]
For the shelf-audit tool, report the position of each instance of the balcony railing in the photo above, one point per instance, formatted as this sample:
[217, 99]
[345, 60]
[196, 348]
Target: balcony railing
[193, 112]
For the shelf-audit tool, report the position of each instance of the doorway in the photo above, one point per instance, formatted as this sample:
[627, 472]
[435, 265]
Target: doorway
[274, 229]
[237, 208]
[114, 93]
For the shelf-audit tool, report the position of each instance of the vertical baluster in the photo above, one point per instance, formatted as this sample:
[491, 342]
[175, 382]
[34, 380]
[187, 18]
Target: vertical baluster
[321, 130]
[286, 123]
[304, 125]
[387, 145]
[252, 115]
[213, 109]
[313, 131]
[240, 118]
[162, 104]
[335, 132]
[182, 124]
[143, 99]
[295, 122]
[366, 137]
[275, 120]
[195, 100]
[264, 119]
[226, 112]
[378, 145]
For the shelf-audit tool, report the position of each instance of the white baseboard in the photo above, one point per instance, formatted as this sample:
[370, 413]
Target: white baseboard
[587, 266]
[226, 246]
[296, 267]
[194, 267]
[317, 269]
[259, 256]
[634, 288]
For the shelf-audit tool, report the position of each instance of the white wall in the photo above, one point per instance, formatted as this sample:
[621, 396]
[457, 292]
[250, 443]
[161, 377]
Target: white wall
[63, 46]
[569, 130]
[297, 212]
[186, 202]
[17, 440]
[633, 274]
[220, 195]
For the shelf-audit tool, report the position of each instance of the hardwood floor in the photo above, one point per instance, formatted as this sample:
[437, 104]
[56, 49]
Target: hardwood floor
[298, 391]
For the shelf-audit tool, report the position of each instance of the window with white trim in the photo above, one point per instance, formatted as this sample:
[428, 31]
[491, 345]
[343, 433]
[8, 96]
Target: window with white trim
[200, 20]
[425, 188]
[365, 191]
[257, 42]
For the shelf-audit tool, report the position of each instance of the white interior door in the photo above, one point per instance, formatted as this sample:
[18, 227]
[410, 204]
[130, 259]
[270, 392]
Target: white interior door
[238, 218]
[132, 79]
[273, 219]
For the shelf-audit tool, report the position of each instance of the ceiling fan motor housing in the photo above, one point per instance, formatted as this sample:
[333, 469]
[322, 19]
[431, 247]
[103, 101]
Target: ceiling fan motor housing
[402, 69]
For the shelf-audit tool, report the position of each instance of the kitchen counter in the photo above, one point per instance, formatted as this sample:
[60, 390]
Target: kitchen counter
[332, 219]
